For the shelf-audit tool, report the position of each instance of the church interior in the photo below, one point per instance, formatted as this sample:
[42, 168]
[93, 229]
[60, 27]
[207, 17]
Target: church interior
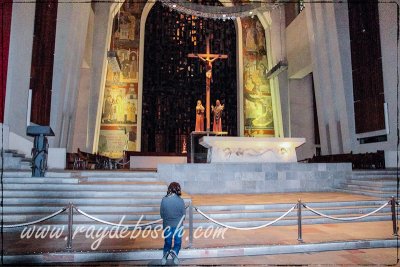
[279, 120]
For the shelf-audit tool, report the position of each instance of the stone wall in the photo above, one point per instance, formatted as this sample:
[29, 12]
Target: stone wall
[250, 178]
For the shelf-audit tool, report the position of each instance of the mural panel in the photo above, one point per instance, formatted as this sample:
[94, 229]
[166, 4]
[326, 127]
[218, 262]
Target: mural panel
[118, 129]
[258, 115]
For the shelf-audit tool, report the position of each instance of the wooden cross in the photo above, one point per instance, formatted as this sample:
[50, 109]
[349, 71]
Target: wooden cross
[208, 59]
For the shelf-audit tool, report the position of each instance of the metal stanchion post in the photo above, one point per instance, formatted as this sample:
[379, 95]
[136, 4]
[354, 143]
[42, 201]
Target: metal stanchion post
[299, 227]
[70, 223]
[394, 220]
[190, 224]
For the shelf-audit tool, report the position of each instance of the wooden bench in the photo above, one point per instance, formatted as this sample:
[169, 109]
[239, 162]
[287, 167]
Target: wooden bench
[88, 161]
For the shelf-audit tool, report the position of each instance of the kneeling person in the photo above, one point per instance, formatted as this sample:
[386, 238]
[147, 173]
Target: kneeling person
[172, 211]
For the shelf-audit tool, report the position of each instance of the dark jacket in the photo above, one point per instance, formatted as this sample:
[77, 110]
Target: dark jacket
[172, 210]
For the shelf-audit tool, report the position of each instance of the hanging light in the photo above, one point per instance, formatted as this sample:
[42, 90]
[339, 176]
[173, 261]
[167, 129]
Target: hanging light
[220, 12]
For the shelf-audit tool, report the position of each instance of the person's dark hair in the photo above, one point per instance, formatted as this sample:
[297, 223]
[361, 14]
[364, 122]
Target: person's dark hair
[174, 188]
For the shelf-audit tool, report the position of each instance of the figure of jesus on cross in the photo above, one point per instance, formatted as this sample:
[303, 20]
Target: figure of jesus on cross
[208, 58]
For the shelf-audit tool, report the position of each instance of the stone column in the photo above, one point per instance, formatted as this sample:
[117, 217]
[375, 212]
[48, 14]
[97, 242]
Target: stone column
[329, 45]
[72, 24]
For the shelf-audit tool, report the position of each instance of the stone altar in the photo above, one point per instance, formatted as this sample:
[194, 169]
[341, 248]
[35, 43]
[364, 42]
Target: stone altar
[251, 149]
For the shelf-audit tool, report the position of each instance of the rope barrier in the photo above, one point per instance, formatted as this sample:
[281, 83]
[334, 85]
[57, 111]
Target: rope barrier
[115, 224]
[346, 219]
[37, 221]
[246, 228]
[199, 211]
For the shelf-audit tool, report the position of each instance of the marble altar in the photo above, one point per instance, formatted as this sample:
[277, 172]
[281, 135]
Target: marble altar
[251, 149]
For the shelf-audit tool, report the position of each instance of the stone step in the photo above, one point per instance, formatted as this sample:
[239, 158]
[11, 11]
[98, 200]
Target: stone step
[373, 175]
[291, 219]
[26, 165]
[85, 174]
[10, 163]
[28, 174]
[153, 208]
[153, 212]
[18, 155]
[24, 210]
[84, 187]
[134, 217]
[121, 179]
[222, 252]
[40, 180]
[383, 189]
[372, 193]
[10, 151]
[111, 174]
[142, 183]
[82, 221]
[380, 171]
[82, 193]
[287, 206]
[89, 200]
[373, 183]
[13, 160]
[129, 200]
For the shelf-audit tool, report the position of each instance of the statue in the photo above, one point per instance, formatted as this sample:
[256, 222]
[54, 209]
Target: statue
[208, 58]
[199, 117]
[217, 111]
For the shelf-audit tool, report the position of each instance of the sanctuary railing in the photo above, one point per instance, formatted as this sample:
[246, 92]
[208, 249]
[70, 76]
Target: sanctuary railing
[70, 208]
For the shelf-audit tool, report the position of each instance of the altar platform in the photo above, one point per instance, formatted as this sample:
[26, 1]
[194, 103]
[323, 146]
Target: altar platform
[256, 178]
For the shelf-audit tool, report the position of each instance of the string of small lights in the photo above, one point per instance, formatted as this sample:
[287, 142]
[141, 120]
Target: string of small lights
[219, 12]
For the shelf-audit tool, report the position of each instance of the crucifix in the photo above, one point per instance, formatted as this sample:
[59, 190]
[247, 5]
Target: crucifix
[208, 58]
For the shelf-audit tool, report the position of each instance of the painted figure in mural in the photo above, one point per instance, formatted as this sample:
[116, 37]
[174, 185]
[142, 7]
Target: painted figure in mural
[125, 66]
[250, 44]
[217, 111]
[132, 28]
[107, 111]
[199, 117]
[120, 109]
[134, 111]
[133, 71]
[260, 38]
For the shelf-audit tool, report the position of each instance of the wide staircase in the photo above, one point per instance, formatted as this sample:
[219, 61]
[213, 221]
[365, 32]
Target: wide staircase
[14, 160]
[137, 195]
[104, 195]
[132, 196]
[376, 183]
